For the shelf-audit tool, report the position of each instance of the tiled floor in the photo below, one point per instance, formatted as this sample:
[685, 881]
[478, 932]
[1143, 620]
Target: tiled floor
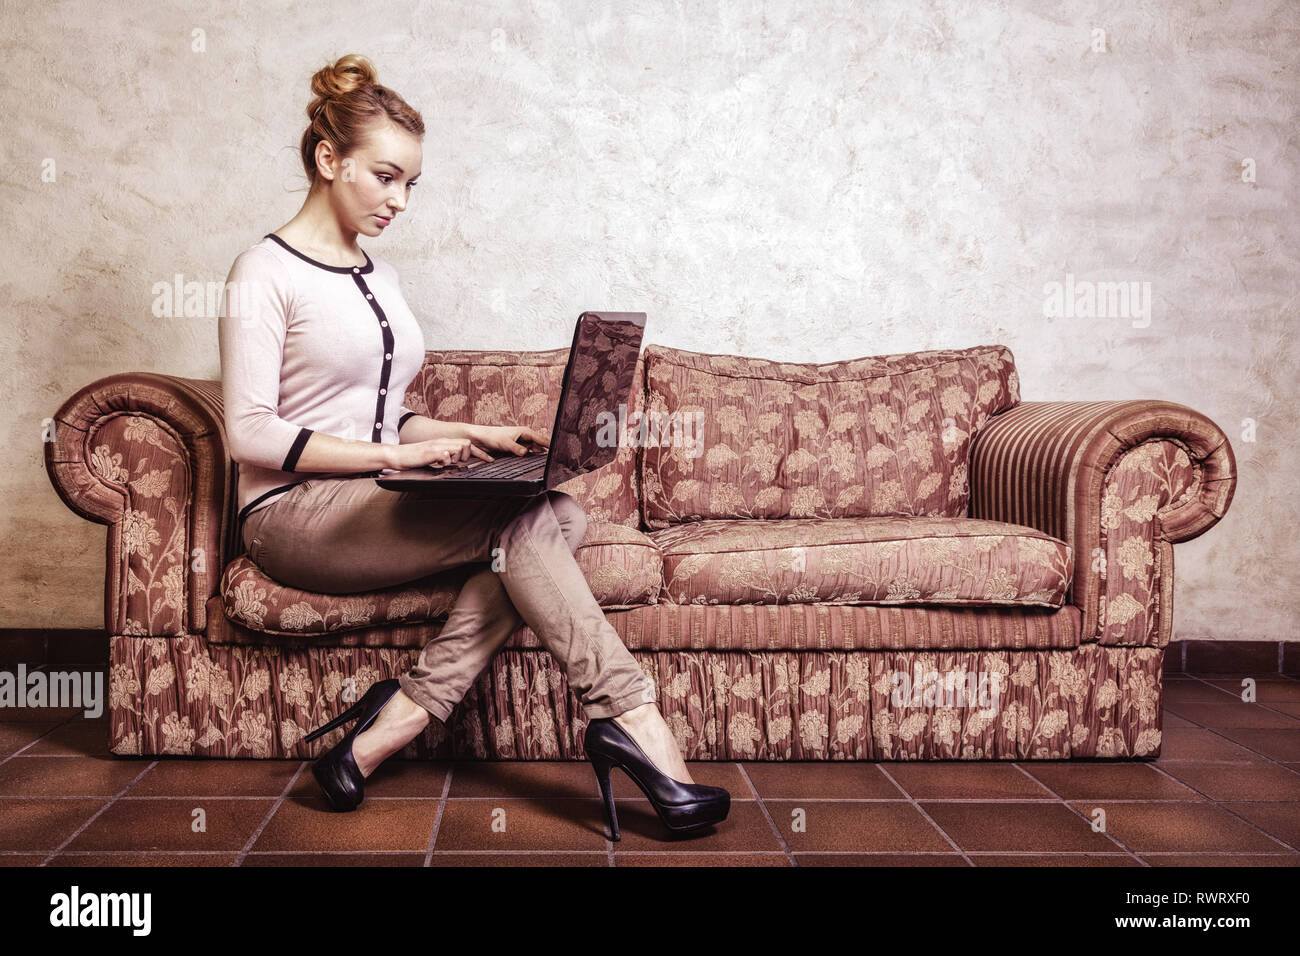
[1226, 790]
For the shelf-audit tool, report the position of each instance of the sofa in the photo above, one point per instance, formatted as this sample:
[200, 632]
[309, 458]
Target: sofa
[883, 558]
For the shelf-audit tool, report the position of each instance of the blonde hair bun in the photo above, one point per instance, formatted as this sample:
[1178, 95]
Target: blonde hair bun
[344, 76]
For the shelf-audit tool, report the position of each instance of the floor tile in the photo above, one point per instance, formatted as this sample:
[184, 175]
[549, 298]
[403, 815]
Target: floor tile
[1086, 780]
[537, 823]
[166, 824]
[305, 825]
[1202, 745]
[42, 824]
[1235, 714]
[76, 737]
[15, 735]
[1179, 828]
[965, 780]
[1267, 690]
[600, 858]
[1239, 782]
[334, 859]
[186, 777]
[1283, 745]
[1190, 691]
[160, 860]
[66, 777]
[1055, 860]
[855, 827]
[1192, 859]
[1281, 820]
[523, 778]
[880, 859]
[1050, 827]
[815, 779]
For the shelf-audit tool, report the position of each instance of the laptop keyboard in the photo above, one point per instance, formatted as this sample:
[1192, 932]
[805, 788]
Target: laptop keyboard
[507, 466]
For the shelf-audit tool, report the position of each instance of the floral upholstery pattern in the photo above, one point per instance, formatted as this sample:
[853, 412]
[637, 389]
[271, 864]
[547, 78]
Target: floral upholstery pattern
[1120, 482]
[753, 438]
[772, 655]
[863, 560]
[182, 696]
[741, 627]
[621, 565]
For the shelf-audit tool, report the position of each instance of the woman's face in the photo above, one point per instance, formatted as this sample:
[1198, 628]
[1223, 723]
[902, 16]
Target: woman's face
[373, 183]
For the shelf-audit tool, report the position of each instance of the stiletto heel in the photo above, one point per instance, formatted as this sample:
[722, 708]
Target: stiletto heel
[602, 767]
[337, 771]
[338, 721]
[682, 807]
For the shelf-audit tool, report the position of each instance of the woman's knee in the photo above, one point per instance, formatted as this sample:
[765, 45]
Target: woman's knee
[569, 512]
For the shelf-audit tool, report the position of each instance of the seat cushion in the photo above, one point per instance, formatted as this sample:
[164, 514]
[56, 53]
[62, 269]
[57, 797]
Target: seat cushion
[900, 560]
[621, 565]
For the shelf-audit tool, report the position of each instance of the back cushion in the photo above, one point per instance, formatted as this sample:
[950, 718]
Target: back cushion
[754, 438]
[523, 388]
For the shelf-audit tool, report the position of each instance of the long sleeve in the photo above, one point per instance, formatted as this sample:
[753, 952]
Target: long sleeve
[403, 414]
[252, 329]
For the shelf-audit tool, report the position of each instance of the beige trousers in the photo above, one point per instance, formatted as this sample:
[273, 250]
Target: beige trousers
[340, 535]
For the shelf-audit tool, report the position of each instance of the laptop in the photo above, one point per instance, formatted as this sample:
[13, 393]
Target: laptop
[588, 422]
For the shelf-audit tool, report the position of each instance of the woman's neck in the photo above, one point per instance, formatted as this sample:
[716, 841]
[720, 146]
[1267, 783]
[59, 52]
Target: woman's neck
[315, 231]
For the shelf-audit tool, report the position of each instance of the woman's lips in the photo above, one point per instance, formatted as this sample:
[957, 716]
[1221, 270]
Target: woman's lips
[384, 220]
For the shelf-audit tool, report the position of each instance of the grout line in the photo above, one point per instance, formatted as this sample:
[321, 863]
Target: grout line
[1080, 814]
[437, 817]
[97, 814]
[1219, 806]
[239, 858]
[767, 815]
[921, 810]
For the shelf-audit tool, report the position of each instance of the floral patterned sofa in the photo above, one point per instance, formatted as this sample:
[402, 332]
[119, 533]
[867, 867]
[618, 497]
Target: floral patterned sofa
[883, 558]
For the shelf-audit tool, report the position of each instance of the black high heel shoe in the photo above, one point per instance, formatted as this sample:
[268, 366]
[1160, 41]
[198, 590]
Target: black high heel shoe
[682, 807]
[337, 771]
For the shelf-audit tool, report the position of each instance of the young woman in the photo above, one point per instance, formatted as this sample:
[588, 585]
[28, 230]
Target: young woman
[317, 350]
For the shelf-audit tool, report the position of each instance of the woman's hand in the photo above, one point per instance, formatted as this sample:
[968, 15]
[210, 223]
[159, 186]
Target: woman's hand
[436, 453]
[508, 438]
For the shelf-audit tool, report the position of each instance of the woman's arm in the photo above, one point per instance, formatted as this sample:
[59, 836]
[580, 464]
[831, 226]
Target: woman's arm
[420, 428]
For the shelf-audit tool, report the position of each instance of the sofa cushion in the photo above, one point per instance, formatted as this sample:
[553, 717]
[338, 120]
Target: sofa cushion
[735, 437]
[621, 565]
[523, 388]
[948, 561]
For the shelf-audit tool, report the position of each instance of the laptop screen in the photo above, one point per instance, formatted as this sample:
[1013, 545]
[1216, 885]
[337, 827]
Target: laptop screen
[598, 380]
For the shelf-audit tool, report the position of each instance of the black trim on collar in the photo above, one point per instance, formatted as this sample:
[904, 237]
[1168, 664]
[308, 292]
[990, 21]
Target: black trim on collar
[342, 270]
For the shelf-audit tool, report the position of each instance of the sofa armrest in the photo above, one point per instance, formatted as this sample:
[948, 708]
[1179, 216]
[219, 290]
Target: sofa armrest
[146, 454]
[1120, 482]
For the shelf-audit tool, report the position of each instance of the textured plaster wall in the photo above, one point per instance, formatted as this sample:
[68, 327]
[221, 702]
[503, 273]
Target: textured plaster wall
[805, 181]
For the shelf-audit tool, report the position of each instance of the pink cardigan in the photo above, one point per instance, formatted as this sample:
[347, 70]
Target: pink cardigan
[307, 347]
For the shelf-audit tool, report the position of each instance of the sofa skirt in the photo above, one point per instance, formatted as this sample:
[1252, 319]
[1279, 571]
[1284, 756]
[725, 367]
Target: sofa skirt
[186, 697]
